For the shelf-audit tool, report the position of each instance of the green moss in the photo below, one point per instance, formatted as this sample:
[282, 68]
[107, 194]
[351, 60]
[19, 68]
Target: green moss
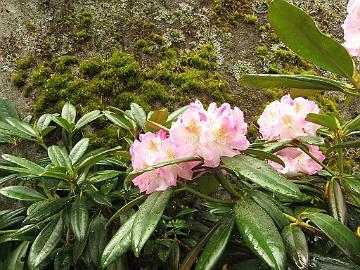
[85, 19]
[262, 50]
[82, 35]
[204, 58]
[29, 25]
[265, 27]
[90, 67]
[63, 63]
[145, 45]
[40, 75]
[19, 78]
[158, 39]
[251, 19]
[26, 62]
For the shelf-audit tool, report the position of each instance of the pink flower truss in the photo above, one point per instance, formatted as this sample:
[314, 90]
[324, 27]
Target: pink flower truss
[210, 134]
[297, 162]
[352, 28]
[285, 119]
[152, 149]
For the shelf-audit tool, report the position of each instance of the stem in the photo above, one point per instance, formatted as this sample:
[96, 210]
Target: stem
[303, 224]
[8, 231]
[204, 196]
[226, 184]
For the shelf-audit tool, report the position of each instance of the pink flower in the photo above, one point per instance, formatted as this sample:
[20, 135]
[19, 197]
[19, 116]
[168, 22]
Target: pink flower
[297, 162]
[210, 134]
[351, 28]
[152, 149]
[285, 119]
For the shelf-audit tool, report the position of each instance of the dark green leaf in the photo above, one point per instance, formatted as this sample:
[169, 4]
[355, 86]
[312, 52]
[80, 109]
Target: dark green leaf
[174, 255]
[103, 176]
[59, 157]
[216, 245]
[310, 82]
[119, 120]
[79, 150]
[127, 207]
[344, 145]
[208, 183]
[176, 114]
[97, 238]
[336, 201]
[299, 32]
[147, 218]
[296, 246]
[68, 112]
[32, 167]
[139, 115]
[352, 185]
[45, 243]
[322, 120]
[7, 109]
[262, 174]
[16, 260]
[353, 124]
[63, 258]
[313, 140]
[264, 155]
[341, 235]
[119, 244]
[99, 198]
[22, 193]
[259, 233]
[321, 262]
[79, 218]
[87, 118]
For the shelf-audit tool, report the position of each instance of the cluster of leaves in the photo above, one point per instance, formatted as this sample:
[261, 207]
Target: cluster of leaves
[84, 213]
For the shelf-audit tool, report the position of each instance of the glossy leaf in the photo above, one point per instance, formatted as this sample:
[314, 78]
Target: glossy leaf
[344, 145]
[262, 174]
[63, 258]
[127, 207]
[216, 245]
[32, 167]
[59, 157]
[260, 233]
[299, 32]
[79, 150]
[139, 115]
[312, 140]
[79, 218]
[45, 243]
[322, 120]
[264, 155]
[103, 176]
[352, 185]
[22, 193]
[321, 262]
[336, 201]
[68, 112]
[147, 218]
[16, 260]
[119, 120]
[353, 124]
[296, 246]
[271, 208]
[341, 235]
[97, 238]
[87, 118]
[43, 122]
[21, 126]
[62, 123]
[119, 243]
[99, 198]
[176, 114]
[7, 109]
[310, 82]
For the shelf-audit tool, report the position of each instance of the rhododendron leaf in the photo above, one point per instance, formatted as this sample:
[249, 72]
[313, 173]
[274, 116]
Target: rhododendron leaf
[262, 174]
[309, 82]
[21, 193]
[352, 185]
[341, 235]
[147, 218]
[154, 127]
[79, 150]
[273, 147]
[139, 115]
[264, 155]
[21, 126]
[299, 32]
[344, 145]
[176, 114]
[270, 207]
[323, 120]
[32, 167]
[313, 140]
[193, 254]
[62, 123]
[7, 109]
[296, 246]
[174, 255]
[353, 124]
[119, 120]
[97, 238]
[336, 201]
[69, 112]
[79, 218]
[87, 118]
[318, 261]
[159, 116]
[59, 157]
[16, 260]
[208, 183]
[134, 174]
[216, 245]
[260, 233]
[45, 243]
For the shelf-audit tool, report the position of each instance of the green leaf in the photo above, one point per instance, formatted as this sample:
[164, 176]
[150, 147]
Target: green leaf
[45, 243]
[352, 185]
[79, 150]
[135, 174]
[313, 140]
[79, 218]
[43, 122]
[147, 218]
[344, 145]
[102, 176]
[99, 198]
[299, 32]
[119, 244]
[174, 255]
[336, 201]
[87, 118]
[352, 125]
[341, 235]
[139, 115]
[68, 112]
[260, 234]
[63, 258]
[208, 183]
[33, 168]
[216, 245]
[62, 123]
[310, 82]
[322, 120]
[7, 109]
[22, 193]
[118, 120]
[11, 217]
[16, 260]
[267, 203]
[21, 126]
[193, 254]
[262, 174]
[319, 262]
[44, 211]
[59, 157]
[97, 238]
[296, 246]
[156, 120]
[176, 114]
[264, 155]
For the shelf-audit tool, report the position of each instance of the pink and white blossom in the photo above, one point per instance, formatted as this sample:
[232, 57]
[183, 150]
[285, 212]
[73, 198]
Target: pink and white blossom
[351, 28]
[298, 162]
[285, 119]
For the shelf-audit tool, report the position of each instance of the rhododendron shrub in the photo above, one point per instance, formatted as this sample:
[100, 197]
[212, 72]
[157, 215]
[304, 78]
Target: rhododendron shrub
[352, 28]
